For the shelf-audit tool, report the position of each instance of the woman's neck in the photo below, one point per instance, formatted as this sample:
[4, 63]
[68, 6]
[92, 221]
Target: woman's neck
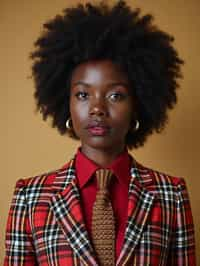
[100, 156]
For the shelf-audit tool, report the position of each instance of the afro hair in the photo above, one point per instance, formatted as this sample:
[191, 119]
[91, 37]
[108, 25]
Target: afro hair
[121, 34]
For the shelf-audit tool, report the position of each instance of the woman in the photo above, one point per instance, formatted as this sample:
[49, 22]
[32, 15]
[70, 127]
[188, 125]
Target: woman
[106, 76]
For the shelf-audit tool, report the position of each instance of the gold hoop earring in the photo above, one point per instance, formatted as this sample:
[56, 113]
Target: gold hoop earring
[69, 123]
[137, 125]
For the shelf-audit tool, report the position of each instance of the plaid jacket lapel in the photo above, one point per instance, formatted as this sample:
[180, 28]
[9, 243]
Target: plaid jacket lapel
[139, 206]
[65, 205]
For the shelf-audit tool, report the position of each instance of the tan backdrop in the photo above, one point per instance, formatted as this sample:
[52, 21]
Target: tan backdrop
[30, 147]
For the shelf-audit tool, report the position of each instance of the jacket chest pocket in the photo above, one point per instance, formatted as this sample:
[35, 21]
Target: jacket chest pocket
[153, 247]
[156, 236]
[50, 242]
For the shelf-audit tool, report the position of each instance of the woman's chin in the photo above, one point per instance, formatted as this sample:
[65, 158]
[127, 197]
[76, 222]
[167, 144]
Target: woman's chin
[102, 143]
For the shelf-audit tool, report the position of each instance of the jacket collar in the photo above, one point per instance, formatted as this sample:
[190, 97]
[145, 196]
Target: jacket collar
[65, 204]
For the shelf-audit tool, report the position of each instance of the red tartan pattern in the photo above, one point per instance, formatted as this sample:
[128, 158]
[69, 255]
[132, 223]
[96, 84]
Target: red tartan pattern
[45, 224]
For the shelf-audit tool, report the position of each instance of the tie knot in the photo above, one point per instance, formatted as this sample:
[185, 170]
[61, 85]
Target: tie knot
[103, 178]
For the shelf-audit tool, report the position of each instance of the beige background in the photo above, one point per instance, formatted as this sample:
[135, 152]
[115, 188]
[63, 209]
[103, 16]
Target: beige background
[30, 147]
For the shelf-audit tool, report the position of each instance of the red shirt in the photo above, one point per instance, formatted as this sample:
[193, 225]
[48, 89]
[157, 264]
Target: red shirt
[85, 169]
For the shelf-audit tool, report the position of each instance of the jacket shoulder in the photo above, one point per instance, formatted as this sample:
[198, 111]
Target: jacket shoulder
[159, 177]
[44, 179]
[164, 186]
[163, 177]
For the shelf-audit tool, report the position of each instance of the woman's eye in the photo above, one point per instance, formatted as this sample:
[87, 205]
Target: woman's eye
[81, 95]
[116, 96]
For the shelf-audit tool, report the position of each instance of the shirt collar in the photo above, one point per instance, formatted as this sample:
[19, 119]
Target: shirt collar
[85, 167]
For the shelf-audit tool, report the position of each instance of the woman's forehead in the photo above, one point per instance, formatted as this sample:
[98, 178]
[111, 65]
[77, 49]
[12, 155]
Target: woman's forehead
[97, 71]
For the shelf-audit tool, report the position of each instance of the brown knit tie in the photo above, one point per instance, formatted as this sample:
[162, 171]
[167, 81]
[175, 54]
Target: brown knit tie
[103, 228]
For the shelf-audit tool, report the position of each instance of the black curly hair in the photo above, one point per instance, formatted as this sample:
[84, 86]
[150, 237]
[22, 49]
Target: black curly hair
[121, 34]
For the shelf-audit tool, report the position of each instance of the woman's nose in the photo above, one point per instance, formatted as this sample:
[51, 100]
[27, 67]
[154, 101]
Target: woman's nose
[98, 108]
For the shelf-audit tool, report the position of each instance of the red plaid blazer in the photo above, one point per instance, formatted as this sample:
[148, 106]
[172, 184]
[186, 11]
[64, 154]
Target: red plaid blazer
[45, 224]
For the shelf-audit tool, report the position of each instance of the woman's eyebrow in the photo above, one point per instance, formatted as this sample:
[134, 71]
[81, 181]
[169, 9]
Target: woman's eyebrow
[119, 83]
[80, 83]
[110, 84]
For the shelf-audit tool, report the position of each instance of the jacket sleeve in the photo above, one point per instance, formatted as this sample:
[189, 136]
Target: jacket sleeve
[182, 248]
[19, 242]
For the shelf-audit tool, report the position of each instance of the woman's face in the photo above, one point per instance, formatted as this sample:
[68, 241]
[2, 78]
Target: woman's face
[101, 105]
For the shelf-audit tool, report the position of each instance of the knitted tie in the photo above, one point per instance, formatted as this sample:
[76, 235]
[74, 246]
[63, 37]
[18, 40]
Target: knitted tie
[103, 228]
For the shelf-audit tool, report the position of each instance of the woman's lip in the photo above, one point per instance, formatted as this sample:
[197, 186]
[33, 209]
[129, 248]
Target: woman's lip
[95, 123]
[98, 130]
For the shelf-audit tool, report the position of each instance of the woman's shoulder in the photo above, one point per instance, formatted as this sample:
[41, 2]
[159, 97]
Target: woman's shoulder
[158, 177]
[163, 185]
[42, 179]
